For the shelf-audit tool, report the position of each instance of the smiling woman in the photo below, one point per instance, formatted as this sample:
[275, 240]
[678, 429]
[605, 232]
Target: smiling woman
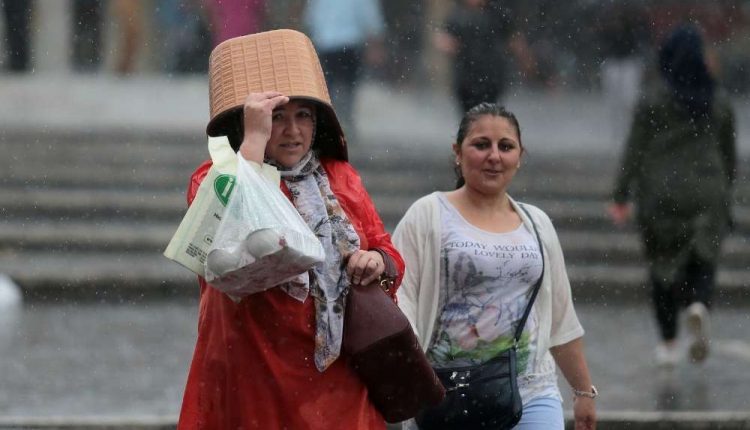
[488, 153]
[465, 298]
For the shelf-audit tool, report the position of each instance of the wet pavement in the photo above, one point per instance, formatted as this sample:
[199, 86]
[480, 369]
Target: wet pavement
[110, 360]
[105, 360]
[94, 359]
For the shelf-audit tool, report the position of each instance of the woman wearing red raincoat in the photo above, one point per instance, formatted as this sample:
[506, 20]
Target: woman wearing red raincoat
[270, 361]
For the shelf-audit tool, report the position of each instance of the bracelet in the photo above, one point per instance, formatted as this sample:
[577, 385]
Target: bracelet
[590, 394]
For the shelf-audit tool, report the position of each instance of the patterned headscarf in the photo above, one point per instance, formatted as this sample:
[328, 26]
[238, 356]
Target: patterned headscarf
[319, 207]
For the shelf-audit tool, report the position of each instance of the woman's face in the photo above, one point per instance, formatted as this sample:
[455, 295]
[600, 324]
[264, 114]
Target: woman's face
[489, 155]
[293, 126]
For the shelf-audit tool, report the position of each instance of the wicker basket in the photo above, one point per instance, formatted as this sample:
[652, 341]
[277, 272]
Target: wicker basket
[278, 60]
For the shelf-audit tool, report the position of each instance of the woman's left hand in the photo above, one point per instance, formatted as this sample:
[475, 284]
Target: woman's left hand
[584, 412]
[364, 267]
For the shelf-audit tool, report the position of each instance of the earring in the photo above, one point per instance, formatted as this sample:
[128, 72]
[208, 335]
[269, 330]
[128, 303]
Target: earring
[458, 163]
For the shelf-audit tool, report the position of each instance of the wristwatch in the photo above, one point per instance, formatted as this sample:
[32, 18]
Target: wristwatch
[590, 394]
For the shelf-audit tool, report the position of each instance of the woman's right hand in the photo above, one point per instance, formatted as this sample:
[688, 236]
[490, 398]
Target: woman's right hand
[258, 124]
[619, 213]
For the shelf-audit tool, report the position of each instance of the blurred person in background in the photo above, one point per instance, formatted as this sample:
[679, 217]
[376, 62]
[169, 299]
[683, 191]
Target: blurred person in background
[472, 262]
[129, 17]
[17, 14]
[185, 35]
[679, 168]
[623, 36]
[233, 18]
[86, 32]
[405, 25]
[346, 34]
[481, 37]
[285, 14]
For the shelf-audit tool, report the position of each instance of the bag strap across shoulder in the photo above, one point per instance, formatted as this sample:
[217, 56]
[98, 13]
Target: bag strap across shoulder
[537, 285]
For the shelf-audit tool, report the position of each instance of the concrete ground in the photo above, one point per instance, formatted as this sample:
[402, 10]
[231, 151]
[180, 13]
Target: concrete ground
[106, 362]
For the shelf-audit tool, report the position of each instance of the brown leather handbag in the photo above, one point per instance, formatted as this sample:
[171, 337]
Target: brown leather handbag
[384, 352]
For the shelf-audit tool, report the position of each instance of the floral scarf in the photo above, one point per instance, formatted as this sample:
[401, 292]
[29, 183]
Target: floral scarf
[328, 282]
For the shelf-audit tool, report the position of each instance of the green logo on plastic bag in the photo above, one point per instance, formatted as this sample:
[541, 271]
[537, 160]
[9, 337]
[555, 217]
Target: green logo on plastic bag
[223, 185]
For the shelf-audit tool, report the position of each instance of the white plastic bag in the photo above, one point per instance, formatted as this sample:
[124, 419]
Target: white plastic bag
[262, 241]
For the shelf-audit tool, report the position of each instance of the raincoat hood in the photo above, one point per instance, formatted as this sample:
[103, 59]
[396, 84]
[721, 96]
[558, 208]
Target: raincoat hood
[683, 67]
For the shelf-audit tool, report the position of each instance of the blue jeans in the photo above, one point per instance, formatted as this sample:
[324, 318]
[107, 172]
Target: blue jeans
[543, 413]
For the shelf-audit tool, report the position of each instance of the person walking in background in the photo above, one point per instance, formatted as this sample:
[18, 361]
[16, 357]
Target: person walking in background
[623, 34]
[233, 18]
[17, 14]
[184, 36]
[472, 260]
[86, 24]
[129, 17]
[679, 167]
[346, 33]
[405, 23]
[481, 37]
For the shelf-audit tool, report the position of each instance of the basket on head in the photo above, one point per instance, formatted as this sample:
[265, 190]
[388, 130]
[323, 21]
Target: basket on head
[278, 60]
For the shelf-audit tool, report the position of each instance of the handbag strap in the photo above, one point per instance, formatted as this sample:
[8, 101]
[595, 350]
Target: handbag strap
[527, 311]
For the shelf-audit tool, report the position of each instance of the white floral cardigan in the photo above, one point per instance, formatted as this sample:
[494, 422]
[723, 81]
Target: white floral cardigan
[418, 238]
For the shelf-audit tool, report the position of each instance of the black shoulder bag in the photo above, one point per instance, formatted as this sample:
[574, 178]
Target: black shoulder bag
[483, 396]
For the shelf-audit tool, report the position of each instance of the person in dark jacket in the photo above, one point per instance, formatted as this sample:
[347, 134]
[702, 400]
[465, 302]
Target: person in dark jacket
[480, 37]
[679, 167]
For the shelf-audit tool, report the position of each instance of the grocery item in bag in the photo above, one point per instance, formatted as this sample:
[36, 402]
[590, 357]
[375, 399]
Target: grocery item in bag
[261, 241]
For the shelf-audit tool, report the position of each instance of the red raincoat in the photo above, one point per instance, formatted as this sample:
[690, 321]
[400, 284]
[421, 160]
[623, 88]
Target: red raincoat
[253, 364]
